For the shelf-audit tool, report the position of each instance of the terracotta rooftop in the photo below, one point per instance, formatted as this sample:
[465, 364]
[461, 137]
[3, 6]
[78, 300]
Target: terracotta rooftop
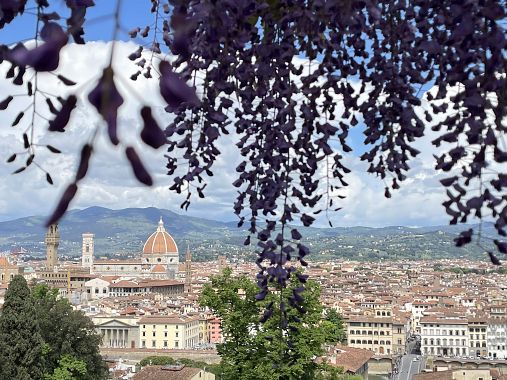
[158, 372]
[350, 359]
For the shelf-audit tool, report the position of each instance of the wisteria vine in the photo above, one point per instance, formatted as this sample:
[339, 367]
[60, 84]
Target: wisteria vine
[287, 79]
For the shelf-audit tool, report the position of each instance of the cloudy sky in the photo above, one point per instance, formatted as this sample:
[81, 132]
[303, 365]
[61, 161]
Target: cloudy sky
[110, 182]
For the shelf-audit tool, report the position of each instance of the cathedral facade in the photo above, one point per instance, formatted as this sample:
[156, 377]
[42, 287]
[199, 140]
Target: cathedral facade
[159, 258]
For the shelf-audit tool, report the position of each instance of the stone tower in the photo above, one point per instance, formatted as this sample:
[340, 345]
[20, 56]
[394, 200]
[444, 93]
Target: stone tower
[87, 255]
[222, 263]
[52, 241]
[188, 271]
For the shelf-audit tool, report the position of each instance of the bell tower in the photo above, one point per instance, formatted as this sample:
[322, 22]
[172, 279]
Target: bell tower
[87, 254]
[52, 241]
[188, 271]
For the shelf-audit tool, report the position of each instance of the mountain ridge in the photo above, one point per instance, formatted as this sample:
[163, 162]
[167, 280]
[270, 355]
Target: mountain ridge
[125, 230]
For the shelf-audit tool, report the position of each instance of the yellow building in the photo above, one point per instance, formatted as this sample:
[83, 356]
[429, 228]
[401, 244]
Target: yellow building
[168, 332]
[384, 335]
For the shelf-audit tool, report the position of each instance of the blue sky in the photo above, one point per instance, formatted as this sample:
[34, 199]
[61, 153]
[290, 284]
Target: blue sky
[110, 182]
[133, 13]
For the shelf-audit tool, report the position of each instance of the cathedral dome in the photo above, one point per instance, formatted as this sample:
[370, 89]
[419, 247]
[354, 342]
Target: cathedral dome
[160, 242]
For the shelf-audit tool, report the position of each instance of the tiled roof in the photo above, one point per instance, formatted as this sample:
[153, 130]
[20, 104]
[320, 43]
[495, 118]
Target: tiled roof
[350, 359]
[157, 372]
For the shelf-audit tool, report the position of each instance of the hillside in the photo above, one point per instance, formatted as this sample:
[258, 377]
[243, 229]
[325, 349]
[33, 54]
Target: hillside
[124, 232]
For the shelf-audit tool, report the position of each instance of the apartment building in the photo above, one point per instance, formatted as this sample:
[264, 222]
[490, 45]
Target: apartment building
[496, 336]
[477, 331]
[370, 333]
[168, 332]
[444, 336]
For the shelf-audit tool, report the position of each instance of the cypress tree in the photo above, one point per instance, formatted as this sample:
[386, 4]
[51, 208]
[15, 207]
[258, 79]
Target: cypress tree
[21, 351]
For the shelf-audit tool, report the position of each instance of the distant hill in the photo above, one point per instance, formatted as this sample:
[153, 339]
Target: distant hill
[124, 232]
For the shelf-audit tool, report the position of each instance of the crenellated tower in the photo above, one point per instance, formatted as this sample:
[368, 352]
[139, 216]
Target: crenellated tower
[52, 241]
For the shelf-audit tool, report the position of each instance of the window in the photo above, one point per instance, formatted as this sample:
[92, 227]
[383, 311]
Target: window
[165, 343]
[153, 333]
[165, 334]
[176, 335]
[144, 333]
[143, 343]
[176, 344]
[352, 341]
[153, 343]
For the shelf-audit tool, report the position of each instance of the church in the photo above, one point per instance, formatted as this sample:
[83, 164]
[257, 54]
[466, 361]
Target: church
[159, 258]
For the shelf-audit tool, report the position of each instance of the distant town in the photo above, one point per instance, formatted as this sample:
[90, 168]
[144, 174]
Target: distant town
[404, 319]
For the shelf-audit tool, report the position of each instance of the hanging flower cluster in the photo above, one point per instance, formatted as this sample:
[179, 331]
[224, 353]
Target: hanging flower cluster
[288, 79]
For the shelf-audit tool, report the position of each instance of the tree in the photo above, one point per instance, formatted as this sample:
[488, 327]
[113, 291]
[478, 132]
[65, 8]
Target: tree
[69, 336]
[68, 368]
[20, 334]
[255, 350]
[289, 80]
[157, 360]
[336, 330]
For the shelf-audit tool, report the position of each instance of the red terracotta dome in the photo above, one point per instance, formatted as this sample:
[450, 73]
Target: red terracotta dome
[160, 242]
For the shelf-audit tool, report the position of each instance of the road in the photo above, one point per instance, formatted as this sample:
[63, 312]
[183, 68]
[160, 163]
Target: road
[406, 366]
[409, 367]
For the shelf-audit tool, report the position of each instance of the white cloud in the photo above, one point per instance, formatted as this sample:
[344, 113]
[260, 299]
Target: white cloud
[110, 182]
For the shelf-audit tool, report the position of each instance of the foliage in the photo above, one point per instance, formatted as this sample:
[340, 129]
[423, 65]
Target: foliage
[157, 360]
[336, 330]
[68, 333]
[255, 350]
[68, 368]
[288, 80]
[20, 335]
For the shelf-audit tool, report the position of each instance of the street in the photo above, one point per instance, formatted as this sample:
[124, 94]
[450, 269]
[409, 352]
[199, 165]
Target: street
[410, 364]
[409, 367]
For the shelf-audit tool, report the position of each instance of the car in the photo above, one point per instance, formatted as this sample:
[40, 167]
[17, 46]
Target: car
[418, 357]
[415, 359]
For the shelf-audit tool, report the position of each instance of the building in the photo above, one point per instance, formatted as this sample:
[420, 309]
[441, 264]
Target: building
[117, 332]
[370, 333]
[88, 248]
[97, 288]
[444, 336]
[125, 288]
[215, 330]
[7, 270]
[354, 361]
[159, 258]
[463, 374]
[477, 329]
[173, 372]
[52, 241]
[496, 335]
[188, 271]
[168, 332]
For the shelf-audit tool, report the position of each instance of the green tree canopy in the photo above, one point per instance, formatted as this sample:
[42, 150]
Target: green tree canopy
[69, 368]
[20, 335]
[67, 333]
[336, 330]
[270, 350]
